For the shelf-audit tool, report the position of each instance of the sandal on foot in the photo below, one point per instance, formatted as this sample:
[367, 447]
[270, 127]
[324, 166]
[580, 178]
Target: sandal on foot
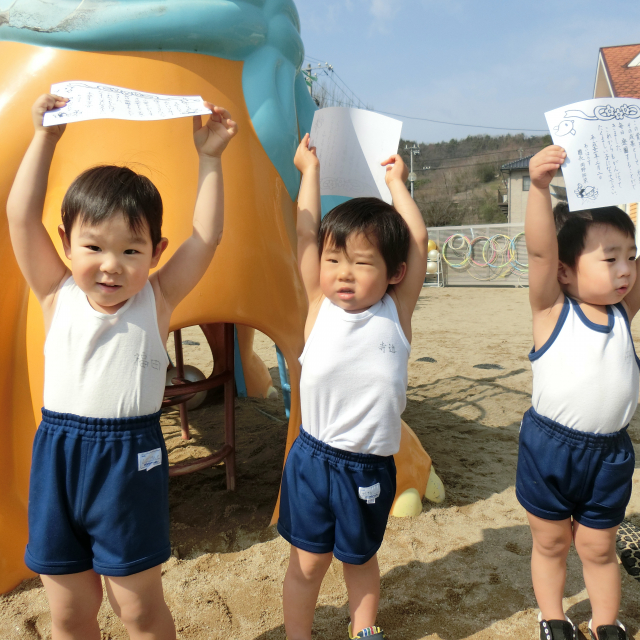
[557, 629]
[375, 633]
[615, 631]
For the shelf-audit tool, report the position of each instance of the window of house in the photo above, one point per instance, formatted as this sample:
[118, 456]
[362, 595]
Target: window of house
[526, 183]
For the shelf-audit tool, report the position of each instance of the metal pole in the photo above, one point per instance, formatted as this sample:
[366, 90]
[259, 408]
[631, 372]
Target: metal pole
[412, 172]
[412, 176]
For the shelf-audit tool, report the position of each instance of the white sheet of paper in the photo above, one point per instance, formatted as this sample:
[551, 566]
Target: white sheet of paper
[351, 144]
[91, 101]
[602, 141]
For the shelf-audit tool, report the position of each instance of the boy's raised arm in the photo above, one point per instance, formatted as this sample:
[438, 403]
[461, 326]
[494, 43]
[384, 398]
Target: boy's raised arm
[308, 221]
[192, 258]
[409, 288]
[540, 230]
[34, 250]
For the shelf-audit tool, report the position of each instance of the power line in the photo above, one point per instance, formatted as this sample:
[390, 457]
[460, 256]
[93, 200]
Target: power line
[458, 124]
[454, 124]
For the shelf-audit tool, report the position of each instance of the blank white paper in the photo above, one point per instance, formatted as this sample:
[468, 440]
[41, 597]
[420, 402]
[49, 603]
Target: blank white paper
[351, 144]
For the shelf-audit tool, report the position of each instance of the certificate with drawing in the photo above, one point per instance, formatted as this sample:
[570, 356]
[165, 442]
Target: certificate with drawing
[602, 141]
[92, 100]
[351, 144]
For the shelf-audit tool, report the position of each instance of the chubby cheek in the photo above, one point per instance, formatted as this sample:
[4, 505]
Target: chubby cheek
[633, 273]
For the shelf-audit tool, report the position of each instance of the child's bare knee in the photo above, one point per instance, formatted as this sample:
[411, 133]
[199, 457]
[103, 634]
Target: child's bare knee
[71, 618]
[311, 566]
[596, 551]
[137, 614]
[553, 546]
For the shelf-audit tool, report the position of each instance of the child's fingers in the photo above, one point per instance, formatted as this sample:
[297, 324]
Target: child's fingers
[197, 123]
[223, 113]
[232, 127]
[390, 160]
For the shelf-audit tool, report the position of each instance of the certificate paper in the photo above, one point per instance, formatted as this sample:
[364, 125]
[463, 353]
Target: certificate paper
[91, 101]
[602, 141]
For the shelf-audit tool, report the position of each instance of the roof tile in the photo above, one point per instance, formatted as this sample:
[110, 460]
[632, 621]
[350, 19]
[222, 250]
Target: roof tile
[624, 80]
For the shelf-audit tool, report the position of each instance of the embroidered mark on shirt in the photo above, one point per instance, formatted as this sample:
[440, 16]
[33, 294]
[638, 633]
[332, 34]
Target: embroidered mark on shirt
[369, 493]
[383, 347]
[149, 459]
[141, 361]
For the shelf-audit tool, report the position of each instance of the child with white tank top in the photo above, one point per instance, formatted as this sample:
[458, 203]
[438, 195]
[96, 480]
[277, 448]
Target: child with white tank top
[576, 460]
[98, 493]
[362, 267]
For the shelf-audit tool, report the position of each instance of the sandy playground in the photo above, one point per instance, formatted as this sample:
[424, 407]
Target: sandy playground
[459, 570]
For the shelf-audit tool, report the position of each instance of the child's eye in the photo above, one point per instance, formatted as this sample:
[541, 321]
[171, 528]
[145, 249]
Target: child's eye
[93, 247]
[610, 260]
[130, 252]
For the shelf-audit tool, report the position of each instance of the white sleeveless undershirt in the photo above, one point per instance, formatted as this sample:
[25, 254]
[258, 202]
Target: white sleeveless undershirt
[586, 376]
[353, 386]
[99, 365]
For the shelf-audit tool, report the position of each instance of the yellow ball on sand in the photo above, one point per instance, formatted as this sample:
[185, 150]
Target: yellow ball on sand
[409, 503]
[432, 245]
[435, 488]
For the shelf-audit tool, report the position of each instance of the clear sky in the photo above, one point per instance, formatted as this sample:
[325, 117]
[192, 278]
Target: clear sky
[500, 63]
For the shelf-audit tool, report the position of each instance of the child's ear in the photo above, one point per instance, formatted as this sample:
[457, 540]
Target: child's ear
[564, 273]
[159, 250]
[66, 241]
[400, 274]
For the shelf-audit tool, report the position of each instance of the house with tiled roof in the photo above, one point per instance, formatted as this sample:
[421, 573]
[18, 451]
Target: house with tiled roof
[518, 182]
[618, 76]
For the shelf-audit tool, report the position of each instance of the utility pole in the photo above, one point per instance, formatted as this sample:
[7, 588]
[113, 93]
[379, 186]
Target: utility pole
[310, 77]
[414, 150]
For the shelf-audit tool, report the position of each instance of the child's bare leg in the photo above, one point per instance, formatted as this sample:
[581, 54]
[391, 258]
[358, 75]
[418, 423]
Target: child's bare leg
[74, 601]
[138, 601]
[597, 550]
[363, 587]
[551, 544]
[300, 592]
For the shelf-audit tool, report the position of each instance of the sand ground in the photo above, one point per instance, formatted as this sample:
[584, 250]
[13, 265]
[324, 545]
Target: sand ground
[459, 570]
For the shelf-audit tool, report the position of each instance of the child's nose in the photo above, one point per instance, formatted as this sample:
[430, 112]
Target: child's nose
[110, 264]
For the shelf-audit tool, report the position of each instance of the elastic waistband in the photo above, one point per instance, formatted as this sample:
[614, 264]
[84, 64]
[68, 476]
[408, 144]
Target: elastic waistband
[309, 442]
[574, 437]
[105, 426]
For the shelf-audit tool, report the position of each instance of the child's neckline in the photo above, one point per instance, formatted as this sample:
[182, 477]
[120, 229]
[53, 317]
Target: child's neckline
[602, 328]
[361, 315]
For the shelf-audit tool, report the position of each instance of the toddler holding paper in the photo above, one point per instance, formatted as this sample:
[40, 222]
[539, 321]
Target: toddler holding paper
[362, 267]
[576, 460]
[98, 497]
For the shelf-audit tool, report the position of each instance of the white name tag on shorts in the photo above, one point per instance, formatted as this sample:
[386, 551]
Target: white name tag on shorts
[369, 493]
[149, 459]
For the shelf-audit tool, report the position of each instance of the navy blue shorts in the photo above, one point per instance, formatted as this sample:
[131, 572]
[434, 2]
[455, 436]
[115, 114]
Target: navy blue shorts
[564, 473]
[99, 495]
[335, 501]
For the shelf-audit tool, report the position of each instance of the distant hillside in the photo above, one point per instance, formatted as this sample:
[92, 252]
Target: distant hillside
[459, 182]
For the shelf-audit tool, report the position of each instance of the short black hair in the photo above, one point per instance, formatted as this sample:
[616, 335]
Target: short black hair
[572, 228]
[378, 221]
[101, 192]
